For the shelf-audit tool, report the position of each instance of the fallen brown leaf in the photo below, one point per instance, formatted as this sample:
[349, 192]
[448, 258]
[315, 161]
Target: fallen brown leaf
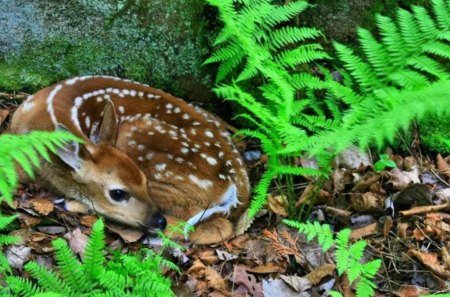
[410, 291]
[42, 205]
[3, 115]
[366, 202]
[316, 276]
[270, 267]
[401, 179]
[214, 279]
[127, 234]
[387, 227]
[88, 220]
[364, 231]
[298, 283]
[246, 283]
[402, 229]
[430, 261]
[77, 241]
[278, 205]
[442, 166]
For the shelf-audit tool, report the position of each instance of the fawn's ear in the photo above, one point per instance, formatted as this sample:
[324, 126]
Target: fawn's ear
[106, 132]
[72, 153]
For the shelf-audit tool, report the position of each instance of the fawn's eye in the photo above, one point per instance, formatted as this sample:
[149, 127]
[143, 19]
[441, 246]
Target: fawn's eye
[119, 195]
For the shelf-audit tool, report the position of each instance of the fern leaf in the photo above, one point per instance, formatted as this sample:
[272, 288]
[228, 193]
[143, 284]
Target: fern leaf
[70, 267]
[93, 256]
[47, 279]
[288, 35]
[261, 191]
[280, 14]
[442, 12]
[425, 21]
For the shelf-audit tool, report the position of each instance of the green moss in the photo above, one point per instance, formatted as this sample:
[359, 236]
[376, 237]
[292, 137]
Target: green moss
[167, 52]
[434, 132]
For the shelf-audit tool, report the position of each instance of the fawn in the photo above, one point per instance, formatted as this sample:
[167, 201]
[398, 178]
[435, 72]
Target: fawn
[148, 156]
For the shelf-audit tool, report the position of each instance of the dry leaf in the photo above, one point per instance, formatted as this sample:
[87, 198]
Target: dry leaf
[364, 231]
[410, 291]
[17, 255]
[402, 229]
[244, 222]
[442, 166]
[445, 257]
[277, 287]
[299, 284]
[88, 220]
[316, 276]
[197, 270]
[42, 205]
[3, 115]
[127, 234]
[277, 205]
[77, 241]
[245, 283]
[271, 267]
[430, 261]
[364, 184]
[366, 202]
[401, 179]
[387, 227]
[418, 234]
[208, 256]
[214, 279]
[339, 180]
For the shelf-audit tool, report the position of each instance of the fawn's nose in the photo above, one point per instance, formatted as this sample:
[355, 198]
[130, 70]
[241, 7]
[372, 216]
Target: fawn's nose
[158, 221]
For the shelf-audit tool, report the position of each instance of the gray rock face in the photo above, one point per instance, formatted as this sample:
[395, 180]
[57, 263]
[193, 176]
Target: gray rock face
[43, 41]
[18, 22]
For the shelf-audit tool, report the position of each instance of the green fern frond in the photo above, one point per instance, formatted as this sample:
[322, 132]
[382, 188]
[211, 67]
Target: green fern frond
[25, 150]
[93, 255]
[70, 268]
[261, 190]
[22, 287]
[47, 279]
[284, 36]
[284, 13]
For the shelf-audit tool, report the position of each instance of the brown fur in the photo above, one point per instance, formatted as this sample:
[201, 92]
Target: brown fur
[171, 156]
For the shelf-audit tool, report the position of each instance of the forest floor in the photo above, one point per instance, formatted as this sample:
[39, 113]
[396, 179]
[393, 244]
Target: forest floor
[402, 212]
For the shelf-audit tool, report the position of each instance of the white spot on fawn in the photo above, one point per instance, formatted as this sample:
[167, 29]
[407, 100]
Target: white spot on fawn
[141, 147]
[202, 183]
[209, 134]
[185, 150]
[87, 121]
[121, 109]
[160, 167]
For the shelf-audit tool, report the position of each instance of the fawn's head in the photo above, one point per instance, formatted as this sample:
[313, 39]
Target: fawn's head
[107, 180]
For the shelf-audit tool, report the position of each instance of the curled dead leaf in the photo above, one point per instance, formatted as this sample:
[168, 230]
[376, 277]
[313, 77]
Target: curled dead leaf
[42, 205]
[298, 283]
[402, 229]
[442, 166]
[317, 275]
[430, 260]
[410, 291]
[366, 202]
[364, 231]
[401, 179]
[278, 205]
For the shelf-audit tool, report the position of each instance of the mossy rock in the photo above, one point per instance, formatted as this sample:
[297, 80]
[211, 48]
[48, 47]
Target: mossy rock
[45, 41]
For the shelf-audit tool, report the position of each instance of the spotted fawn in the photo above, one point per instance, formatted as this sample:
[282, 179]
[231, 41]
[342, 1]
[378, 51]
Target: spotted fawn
[148, 158]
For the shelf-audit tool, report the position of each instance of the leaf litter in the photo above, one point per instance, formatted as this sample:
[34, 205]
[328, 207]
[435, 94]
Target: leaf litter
[403, 213]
